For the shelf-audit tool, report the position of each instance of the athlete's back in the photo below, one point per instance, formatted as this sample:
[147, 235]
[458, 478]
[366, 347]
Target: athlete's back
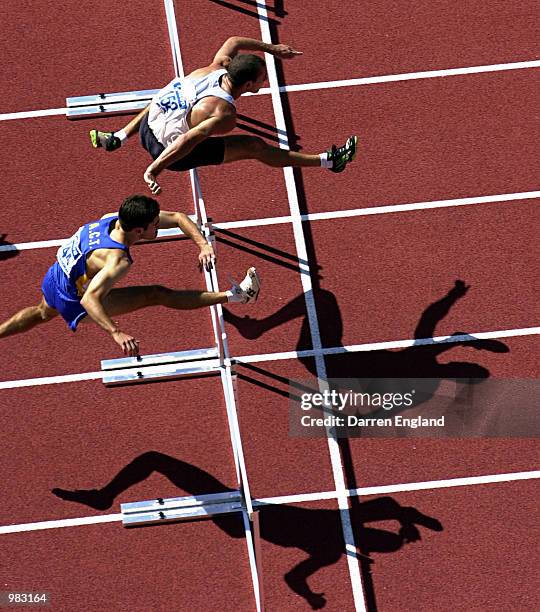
[171, 108]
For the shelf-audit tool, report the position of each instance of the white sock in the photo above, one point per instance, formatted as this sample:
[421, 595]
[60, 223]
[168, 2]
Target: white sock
[325, 162]
[122, 135]
[233, 296]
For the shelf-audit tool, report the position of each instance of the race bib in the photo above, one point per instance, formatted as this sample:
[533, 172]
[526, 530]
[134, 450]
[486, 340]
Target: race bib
[173, 99]
[69, 254]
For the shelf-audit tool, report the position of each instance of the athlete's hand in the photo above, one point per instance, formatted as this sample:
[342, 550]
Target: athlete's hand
[129, 345]
[207, 257]
[151, 180]
[285, 52]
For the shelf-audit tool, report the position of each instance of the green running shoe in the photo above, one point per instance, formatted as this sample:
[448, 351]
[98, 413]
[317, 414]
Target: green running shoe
[107, 140]
[341, 156]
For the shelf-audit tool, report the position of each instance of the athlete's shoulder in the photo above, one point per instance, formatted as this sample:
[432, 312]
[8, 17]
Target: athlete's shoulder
[205, 71]
[111, 258]
[220, 111]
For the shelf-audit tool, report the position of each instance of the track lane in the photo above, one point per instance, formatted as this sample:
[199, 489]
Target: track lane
[52, 52]
[425, 140]
[112, 568]
[277, 463]
[482, 560]
[54, 349]
[57, 181]
[79, 436]
[384, 37]
[403, 263]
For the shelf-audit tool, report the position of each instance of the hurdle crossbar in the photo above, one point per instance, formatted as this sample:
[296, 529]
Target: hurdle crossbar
[94, 105]
[169, 371]
[159, 358]
[138, 514]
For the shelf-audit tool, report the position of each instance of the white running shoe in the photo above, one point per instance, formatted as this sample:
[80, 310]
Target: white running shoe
[247, 291]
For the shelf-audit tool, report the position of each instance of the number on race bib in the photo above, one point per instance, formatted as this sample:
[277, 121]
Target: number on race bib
[69, 254]
[173, 100]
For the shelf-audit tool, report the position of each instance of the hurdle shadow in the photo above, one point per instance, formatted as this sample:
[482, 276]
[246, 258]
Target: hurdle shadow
[315, 532]
[259, 249]
[7, 249]
[265, 130]
[249, 8]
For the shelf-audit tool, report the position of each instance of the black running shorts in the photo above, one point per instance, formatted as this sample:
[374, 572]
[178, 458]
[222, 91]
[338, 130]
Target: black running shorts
[209, 152]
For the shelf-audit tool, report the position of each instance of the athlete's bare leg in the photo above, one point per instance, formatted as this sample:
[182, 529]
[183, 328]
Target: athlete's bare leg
[133, 126]
[253, 147]
[27, 318]
[128, 299]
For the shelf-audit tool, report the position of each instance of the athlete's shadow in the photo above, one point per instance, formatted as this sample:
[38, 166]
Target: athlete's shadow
[315, 532]
[7, 249]
[418, 362]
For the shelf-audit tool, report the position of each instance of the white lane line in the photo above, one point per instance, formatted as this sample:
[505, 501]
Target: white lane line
[300, 498]
[47, 112]
[336, 214]
[301, 251]
[373, 80]
[394, 208]
[73, 522]
[403, 487]
[220, 334]
[444, 484]
[50, 380]
[377, 346]
[26, 246]
[284, 355]
[407, 76]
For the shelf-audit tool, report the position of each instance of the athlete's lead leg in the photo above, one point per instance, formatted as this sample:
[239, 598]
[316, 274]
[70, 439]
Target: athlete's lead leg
[253, 147]
[128, 299]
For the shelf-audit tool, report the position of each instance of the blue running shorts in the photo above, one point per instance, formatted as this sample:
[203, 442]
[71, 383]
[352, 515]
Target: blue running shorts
[70, 309]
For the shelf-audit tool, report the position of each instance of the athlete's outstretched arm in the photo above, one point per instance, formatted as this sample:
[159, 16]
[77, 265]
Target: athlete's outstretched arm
[116, 267]
[234, 44]
[177, 219]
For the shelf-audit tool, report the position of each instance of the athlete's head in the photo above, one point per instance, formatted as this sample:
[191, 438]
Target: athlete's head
[141, 213]
[247, 71]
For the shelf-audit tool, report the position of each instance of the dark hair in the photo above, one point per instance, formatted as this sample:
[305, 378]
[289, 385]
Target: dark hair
[137, 211]
[245, 67]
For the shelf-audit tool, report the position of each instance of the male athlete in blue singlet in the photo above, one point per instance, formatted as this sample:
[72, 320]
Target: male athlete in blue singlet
[183, 125]
[81, 281]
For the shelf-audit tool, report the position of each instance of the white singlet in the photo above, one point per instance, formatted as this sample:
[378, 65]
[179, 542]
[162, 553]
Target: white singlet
[169, 109]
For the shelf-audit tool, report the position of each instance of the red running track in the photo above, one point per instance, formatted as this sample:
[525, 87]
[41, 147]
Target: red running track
[422, 140]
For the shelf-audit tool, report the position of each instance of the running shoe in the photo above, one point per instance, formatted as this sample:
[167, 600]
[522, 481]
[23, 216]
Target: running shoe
[107, 140]
[248, 290]
[341, 156]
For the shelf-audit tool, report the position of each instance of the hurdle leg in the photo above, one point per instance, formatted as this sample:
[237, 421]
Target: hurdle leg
[256, 531]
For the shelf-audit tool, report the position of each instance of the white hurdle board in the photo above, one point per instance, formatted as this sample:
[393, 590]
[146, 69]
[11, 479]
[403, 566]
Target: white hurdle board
[162, 366]
[108, 103]
[156, 511]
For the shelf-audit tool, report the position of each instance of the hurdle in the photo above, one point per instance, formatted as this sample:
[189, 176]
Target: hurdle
[175, 509]
[95, 105]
